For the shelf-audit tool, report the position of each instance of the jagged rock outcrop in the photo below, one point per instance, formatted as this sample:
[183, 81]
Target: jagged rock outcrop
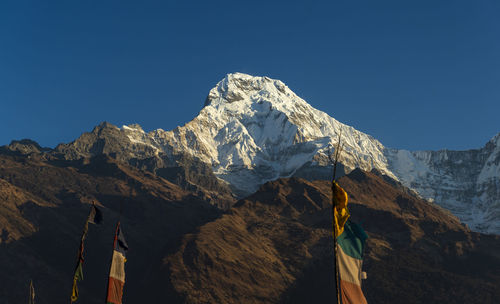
[24, 147]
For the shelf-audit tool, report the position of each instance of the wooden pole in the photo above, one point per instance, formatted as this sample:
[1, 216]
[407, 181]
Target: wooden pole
[337, 275]
[334, 223]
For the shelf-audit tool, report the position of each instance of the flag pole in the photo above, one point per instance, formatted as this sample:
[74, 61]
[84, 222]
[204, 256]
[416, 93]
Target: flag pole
[80, 255]
[334, 224]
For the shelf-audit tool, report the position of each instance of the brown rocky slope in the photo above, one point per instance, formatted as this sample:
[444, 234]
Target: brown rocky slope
[276, 247]
[44, 204]
[272, 247]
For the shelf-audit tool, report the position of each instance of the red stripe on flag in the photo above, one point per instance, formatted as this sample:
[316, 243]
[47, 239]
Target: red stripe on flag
[115, 291]
[351, 293]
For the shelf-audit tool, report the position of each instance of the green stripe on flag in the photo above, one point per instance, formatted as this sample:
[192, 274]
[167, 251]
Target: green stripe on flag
[352, 240]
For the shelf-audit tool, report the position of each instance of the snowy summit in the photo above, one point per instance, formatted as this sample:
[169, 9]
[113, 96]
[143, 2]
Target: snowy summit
[255, 129]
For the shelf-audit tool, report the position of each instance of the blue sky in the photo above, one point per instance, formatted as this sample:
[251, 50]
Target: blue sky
[414, 74]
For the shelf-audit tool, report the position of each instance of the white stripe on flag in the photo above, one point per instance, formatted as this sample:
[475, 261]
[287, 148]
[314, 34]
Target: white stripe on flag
[118, 266]
[349, 267]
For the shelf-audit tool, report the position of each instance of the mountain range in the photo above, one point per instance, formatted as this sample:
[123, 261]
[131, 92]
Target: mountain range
[255, 129]
[235, 207]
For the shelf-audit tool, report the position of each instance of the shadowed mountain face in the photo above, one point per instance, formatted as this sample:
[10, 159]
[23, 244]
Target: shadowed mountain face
[275, 246]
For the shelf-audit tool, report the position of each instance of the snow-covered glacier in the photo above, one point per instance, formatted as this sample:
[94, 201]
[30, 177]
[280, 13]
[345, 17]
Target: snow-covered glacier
[465, 182]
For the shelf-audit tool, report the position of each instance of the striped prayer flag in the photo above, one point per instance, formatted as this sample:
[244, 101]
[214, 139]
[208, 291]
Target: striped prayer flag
[116, 279]
[350, 244]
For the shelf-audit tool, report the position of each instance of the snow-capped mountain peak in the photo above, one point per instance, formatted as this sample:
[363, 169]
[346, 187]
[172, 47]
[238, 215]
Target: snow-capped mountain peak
[256, 129]
[239, 86]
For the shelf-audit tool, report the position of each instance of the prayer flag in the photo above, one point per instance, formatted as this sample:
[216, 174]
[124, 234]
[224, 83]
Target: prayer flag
[350, 242]
[117, 271]
[95, 217]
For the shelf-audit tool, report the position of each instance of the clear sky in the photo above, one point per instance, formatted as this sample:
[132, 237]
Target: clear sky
[416, 75]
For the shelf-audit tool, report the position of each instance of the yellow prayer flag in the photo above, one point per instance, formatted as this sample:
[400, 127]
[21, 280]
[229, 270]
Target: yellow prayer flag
[340, 212]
